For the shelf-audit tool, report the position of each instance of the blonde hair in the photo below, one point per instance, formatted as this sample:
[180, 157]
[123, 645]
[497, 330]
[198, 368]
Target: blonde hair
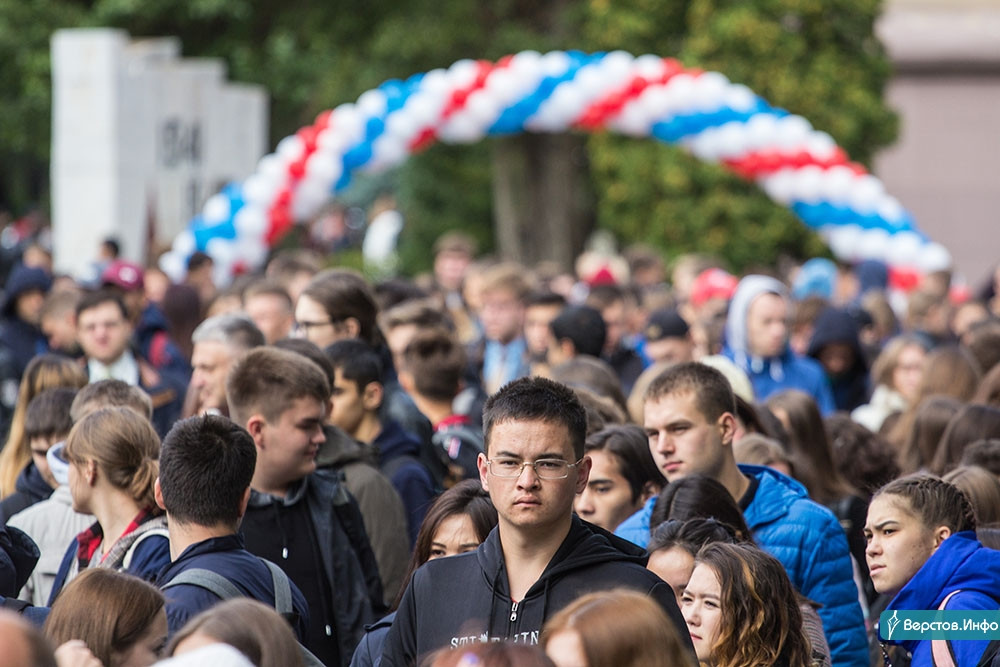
[46, 371]
[124, 446]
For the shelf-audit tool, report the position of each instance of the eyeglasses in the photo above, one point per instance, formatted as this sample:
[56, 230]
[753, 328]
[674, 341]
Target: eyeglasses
[544, 468]
[306, 326]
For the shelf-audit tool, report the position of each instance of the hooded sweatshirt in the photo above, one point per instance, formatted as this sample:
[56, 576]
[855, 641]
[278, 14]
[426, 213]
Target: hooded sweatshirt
[962, 564]
[850, 388]
[771, 374]
[465, 599]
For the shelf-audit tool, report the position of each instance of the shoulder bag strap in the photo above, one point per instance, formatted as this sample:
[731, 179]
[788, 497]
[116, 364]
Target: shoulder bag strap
[941, 648]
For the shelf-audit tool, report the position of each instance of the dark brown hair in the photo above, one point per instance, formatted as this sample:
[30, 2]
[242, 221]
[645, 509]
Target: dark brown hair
[809, 446]
[345, 294]
[467, 497]
[933, 501]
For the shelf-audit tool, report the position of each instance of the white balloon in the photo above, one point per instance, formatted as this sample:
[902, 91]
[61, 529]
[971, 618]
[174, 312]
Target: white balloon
[820, 145]
[793, 131]
[904, 249]
[526, 60]
[762, 129]
[436, 81]
[555, 63]
[184, 244]
[732, 139]
[221, 250]
[372, 103]
[290, 149]
[837, 184]
[682, 92]
[253, 252]
[592, 80]
[890, 210]
[174, 265]
[710, 91]
[462, 73]
[618, 63]
[425, 108]
[260, 189]
[934, 257]
[216, 209]
[874, 244]
[780, 185]
[323, 168]
[844, 241]
[271, 166]
[809, 184]
[649, 66]
[482, 108]
[865, 194]
[250, 222]
[740, 98]
[705, 145]
[308, 198]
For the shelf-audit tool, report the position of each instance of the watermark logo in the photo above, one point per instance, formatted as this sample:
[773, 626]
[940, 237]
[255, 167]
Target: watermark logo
[900, 625]
[892, 623]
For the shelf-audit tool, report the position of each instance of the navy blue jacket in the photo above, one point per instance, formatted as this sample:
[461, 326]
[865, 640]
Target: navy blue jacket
[150, 556]
[227, 557]
[410, 477]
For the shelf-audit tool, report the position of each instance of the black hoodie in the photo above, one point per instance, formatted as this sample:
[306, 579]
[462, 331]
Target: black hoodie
[464, 599]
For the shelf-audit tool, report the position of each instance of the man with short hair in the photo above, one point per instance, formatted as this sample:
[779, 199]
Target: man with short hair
[667, 337]
[540, 557]
[503, 351]
[218, 342]
[206, 464]
[300, 518]
[104, 330]
[689, 418]
[267, 303]
[757, 342]
[576, 330]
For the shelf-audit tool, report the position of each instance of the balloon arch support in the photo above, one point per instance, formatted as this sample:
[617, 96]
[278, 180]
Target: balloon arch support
[714, 119]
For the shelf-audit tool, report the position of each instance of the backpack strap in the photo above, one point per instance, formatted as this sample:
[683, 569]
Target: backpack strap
[941, 648]
[213, 582]
[282, 589]
[127, 560]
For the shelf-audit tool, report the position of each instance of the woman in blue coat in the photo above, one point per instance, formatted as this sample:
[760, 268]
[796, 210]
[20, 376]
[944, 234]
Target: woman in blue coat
[922, 550]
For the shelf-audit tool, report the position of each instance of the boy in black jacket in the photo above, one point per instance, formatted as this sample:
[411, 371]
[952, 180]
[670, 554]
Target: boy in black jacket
[540, 557]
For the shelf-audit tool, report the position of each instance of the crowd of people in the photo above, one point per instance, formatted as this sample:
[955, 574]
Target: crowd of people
[494, 464]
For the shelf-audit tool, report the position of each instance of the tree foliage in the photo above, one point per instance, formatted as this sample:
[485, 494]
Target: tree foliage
[817, 58]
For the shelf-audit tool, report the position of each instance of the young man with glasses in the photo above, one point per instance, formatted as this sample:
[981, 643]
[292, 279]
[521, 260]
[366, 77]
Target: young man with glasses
[540, 557]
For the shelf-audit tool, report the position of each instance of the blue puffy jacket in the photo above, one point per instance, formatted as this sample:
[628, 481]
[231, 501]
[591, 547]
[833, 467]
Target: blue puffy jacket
[962, 564]
[809, 542]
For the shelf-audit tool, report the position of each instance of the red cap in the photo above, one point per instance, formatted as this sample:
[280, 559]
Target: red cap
[123, 274]
[712, 284]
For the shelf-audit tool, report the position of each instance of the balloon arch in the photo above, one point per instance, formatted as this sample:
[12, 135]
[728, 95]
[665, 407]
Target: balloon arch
[647, 96]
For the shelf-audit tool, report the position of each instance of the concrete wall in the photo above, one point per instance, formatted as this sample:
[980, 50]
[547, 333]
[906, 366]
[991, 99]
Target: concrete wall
[140, 139]
[944, 167]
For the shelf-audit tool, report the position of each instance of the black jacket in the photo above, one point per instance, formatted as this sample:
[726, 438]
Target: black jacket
[349, 564]
[464, 599]
[30, 488]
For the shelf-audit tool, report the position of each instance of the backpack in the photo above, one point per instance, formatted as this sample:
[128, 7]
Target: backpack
[944, 657]
[217, 584]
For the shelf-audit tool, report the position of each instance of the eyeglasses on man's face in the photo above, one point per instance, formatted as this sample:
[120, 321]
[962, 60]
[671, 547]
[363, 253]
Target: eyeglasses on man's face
[504, 466]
